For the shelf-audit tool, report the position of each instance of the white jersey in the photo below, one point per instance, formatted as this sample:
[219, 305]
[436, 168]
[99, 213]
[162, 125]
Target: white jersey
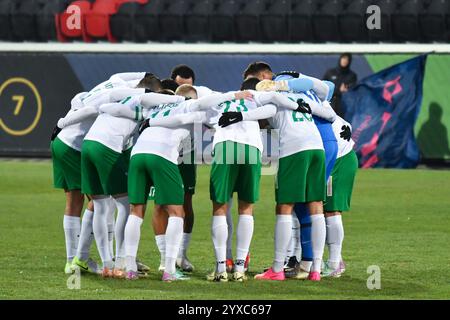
[203, 91]
[344, 146]
[165, 142]
[119, 80]
[73, 135]
[244, 132]
[115, 133]
[297, 131]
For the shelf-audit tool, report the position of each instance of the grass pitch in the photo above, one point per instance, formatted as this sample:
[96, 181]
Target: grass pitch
[399, 222]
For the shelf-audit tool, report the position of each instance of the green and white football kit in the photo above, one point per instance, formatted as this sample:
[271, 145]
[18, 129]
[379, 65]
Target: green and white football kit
[237, 167]
[340, 184]
[237, 149]
[105, 161]
[301, 169]
[154, 162]
[339, 194]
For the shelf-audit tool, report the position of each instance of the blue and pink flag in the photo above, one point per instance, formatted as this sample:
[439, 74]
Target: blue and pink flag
[383, 109]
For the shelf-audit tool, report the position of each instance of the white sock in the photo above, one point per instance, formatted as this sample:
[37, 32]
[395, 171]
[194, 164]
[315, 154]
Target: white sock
[219, 232]
[86, 235]
[184, 245]
[244, 234]
[161, 244]
[174, 233]
[306, 265]
[123, 210]
[100, 227]
[283, 230]
[72, 228]
[132, 236]
[318, 235]
[111, 224]
[230, 229]
[290, 249]
[335, 237]
[296, 245]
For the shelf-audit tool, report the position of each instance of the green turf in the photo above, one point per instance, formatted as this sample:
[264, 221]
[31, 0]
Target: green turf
[399, 221]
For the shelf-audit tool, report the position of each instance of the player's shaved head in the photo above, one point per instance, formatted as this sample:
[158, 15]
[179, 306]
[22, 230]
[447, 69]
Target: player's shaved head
[187, 91]
[260, 70]
[150, 82]
[250, 84]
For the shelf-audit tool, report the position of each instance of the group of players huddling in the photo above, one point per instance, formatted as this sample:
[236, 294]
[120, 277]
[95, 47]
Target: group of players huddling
[130, 139]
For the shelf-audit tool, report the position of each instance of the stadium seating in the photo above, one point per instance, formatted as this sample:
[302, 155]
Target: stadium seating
[45, 19]
[387, 7]
[432, 22]
[147, 21]
[197, 20]
[247, 21]
[64, 30]
[222, 20]
[171, 20]
[352, 22]
[5, 9]
[123, 23]
[447, 22]
[300, 20]
[274, 24]
[405, 21]
[268, 21]
[96, 21]
[23, 20]
[325, 21]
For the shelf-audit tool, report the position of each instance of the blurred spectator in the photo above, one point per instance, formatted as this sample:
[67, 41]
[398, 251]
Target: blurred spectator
[344, 79]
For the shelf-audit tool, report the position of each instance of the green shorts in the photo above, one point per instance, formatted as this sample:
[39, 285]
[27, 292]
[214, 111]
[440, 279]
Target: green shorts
[147, 170]
[340, 185]
[236, 168]
[301, 178]
[103, 171]
[188, 173]
[66, 166]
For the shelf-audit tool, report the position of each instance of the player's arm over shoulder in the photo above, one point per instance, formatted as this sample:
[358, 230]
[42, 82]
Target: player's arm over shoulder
[275, 98]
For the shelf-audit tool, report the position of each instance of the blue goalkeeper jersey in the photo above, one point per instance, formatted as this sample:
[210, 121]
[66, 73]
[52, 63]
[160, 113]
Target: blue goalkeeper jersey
[325, 129]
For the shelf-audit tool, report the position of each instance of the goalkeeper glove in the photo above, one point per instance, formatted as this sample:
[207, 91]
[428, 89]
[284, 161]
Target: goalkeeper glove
[346, 133]
[229, 118]
[303, 107]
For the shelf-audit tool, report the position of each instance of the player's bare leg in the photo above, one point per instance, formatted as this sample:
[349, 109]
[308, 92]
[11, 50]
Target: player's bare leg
[318, 236]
